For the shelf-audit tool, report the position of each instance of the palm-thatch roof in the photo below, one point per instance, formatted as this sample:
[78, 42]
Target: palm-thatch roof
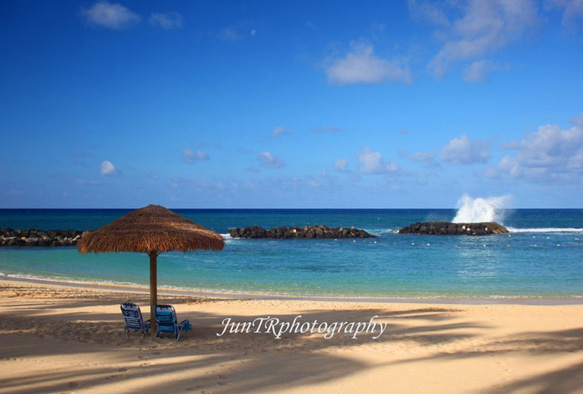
[152, 229]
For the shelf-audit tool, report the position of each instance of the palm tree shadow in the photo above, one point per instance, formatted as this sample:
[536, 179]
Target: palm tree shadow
[204, 360]
[566, 380]
[208, 360]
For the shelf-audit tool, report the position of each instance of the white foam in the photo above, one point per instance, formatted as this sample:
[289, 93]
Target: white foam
[545, 230]
[477, 210]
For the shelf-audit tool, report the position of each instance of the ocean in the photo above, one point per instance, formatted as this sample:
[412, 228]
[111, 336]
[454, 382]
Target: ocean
[541, 257]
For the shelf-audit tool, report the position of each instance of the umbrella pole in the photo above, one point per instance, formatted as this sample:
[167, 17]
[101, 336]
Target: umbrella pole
[153, 288]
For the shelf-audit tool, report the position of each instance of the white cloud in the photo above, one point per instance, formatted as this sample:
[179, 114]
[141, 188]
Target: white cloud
[478, 70]
[482, 28]
[427, 158]
[270, 161]
[108, 169]
[428, 11]
[373, 163]
[463, 151]
[422, 156]
[190, 156]
[547, 155]
[169, 21]
[279, 130]
[361, 66]
[83, 182]
[572, 11]
[112, 16]
[341, 165]
[328, 130]
[229, 34]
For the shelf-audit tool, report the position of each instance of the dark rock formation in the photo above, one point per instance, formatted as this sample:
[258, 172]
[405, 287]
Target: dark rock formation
[32, 237]
[447, 228]
[257, 232]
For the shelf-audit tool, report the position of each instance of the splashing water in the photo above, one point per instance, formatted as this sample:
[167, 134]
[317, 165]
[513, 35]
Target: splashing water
[472, 210]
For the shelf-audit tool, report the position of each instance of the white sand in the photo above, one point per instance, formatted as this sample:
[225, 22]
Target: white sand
[55, 338]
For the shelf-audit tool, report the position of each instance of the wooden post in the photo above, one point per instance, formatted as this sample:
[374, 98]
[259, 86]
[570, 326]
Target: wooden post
[153, 288]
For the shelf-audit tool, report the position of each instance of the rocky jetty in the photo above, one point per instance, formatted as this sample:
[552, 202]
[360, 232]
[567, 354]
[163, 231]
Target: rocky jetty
[295, 232]
[32, 237]
[447, 228]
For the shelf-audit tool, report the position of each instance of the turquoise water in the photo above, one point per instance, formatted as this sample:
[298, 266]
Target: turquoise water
[541, 257]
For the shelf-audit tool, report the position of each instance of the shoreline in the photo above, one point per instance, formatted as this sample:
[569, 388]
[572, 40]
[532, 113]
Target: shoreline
[493, 300]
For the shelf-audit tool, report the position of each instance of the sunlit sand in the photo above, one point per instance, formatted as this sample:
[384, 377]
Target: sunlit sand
[56, 338]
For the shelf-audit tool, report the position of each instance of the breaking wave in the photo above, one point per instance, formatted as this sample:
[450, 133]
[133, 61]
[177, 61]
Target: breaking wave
[475, 210]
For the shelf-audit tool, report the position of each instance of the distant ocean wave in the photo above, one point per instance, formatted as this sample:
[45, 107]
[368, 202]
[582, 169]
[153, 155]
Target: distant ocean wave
[65, 279]
[545, 230]
[381, 232]
[513, 230]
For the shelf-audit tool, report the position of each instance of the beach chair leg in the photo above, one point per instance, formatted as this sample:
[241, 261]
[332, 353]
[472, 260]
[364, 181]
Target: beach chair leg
[178, 332]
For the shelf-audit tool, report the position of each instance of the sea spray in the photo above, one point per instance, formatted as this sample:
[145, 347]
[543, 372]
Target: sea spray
[477, 210]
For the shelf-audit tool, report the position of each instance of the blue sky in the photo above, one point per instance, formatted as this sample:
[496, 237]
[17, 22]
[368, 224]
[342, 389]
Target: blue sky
[303, 104]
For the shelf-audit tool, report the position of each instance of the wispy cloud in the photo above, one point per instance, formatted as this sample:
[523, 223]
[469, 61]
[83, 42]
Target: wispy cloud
[341, 165]
[427, 11]
[476, 29]
[550, 154]
[83, 182]
[268, 160]
[191, 157]
[463, 151]
[479, 70]
[373, 163]
[328, 130]
[572, 12]
[111, 16]
[361, 66]
[79, 158]
[229, 34]
[280, 130]
[13, 192]
[168, 21]
[427, 158]
[108, 169]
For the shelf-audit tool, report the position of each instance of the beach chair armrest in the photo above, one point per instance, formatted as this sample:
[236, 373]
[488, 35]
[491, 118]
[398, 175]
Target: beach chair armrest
[185, 325]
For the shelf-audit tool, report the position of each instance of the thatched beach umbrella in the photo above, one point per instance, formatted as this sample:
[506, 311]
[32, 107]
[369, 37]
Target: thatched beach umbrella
[151, 230]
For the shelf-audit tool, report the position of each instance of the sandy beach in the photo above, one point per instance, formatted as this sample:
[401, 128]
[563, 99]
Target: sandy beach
[58, 338]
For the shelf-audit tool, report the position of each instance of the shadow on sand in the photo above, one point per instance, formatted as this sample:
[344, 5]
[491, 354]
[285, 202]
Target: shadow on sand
[203, 361]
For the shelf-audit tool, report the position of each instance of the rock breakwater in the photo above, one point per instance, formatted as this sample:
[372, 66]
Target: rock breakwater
[447, 228]
[32, 237]
[295, 232]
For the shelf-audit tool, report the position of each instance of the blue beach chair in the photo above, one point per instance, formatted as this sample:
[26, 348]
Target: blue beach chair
[133, 319]
[167, 323]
